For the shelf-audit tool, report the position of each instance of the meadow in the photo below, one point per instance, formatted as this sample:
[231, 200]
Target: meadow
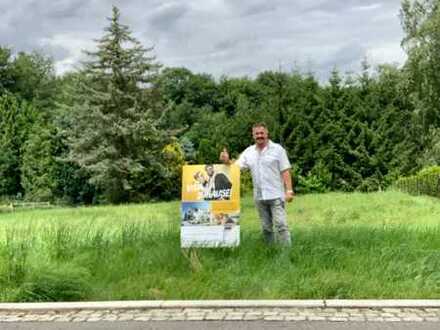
[345, 245]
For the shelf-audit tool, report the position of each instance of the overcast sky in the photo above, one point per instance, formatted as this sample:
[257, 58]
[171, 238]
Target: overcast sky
[221, 37]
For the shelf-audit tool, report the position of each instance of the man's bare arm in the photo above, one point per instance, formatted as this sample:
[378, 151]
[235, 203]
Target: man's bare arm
[287, 179]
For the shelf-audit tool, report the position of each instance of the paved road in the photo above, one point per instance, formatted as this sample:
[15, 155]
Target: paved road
[215, 325]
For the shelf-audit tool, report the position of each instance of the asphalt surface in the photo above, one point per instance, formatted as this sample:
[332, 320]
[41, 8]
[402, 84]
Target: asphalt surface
[214, 325]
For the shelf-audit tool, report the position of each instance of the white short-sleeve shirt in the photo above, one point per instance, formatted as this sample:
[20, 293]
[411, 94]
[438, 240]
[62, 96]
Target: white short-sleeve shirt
[266, 167]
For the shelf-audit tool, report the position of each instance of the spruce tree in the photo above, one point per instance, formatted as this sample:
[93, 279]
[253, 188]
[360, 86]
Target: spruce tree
[114, 132]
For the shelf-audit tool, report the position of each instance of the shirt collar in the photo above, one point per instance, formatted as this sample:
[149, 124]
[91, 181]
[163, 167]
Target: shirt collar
[268, 145]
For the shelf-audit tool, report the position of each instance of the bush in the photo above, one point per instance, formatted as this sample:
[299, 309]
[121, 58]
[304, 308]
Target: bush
[431, 154]
[318, 180]
[425, 182]
[370, 184]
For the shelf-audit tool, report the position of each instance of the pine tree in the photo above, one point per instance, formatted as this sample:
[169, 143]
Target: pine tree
[114, 130]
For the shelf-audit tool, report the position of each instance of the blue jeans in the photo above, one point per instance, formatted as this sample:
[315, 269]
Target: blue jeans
[273, 213]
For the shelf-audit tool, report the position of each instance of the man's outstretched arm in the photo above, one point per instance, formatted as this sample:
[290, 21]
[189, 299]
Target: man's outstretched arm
[241, 161]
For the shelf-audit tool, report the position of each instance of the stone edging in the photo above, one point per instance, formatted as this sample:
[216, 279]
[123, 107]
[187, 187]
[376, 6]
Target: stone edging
[167, 304]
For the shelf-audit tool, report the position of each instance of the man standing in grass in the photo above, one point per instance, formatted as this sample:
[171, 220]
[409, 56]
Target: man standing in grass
[270, 170]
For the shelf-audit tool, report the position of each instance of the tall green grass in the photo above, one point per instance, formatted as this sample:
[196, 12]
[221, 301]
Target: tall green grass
[380, 245]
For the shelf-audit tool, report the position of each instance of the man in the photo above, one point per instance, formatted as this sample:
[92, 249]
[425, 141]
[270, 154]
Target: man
[270, 170]
[217, 185]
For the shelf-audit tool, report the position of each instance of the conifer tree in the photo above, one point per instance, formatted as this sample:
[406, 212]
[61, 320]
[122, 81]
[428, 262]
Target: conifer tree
[37, 165]
[114, 130]
[9, 146]
[16, 120]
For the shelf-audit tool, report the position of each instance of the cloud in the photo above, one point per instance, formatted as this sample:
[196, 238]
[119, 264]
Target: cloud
[165, 17]
[346, 56]
[216, 36]
[263, 7]
[386, 53]
[373, 6]
[58, 10]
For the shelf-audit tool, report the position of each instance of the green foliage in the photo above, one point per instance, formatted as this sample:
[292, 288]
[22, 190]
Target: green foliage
[115, 135]
[180, 85]
[431, 153]
[6, 75]
[188, 149]
[72, 184]
[174, 158]
[34, 80]
[37, 169]
[245, 183]
[426, 182]
[421, 24]
[16, 120]
[318, 180]
[27, 86]
[208, 136]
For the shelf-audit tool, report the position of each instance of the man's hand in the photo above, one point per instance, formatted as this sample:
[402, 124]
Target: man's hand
[224, 157]
[289, 196]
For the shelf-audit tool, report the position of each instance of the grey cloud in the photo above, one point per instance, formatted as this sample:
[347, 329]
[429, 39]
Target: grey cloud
[58, 53]
[226, 44]
[256, 9]
[165, 17]
[342, 6]
[218, 37]
[60, 9]
[345, 57]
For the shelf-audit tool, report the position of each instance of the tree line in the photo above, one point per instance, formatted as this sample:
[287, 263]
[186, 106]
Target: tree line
[120, 128]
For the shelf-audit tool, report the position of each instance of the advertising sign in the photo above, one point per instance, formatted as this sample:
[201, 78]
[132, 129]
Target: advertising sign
[210, 208]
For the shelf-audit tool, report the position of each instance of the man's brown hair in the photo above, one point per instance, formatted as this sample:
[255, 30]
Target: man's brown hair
[259, 124]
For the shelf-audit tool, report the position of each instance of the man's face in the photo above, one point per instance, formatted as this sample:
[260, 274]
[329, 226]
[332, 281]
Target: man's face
[210, 170]
[260, 135]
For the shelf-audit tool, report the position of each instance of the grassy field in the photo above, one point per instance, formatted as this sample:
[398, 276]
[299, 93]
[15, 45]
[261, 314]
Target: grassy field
[378, 245]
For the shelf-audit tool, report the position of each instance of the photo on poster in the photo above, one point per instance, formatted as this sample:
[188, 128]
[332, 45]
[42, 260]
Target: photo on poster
[226, 219]
[211, 182]
[215, 182]
[196, 213]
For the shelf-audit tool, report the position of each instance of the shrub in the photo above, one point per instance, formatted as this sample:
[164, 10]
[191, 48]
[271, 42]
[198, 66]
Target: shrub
[318, 180]
[425, 182]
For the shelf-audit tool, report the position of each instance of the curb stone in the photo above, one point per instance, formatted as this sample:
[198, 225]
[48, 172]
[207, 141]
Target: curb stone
[230, 310]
